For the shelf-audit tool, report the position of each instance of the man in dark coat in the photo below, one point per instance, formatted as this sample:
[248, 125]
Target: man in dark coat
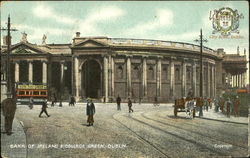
[44, 109]
[118, 101]
[130, 106]
[31, 102]
[228, 106]
[72, 101]
[9, 109]
[236, 106]
[90, 109]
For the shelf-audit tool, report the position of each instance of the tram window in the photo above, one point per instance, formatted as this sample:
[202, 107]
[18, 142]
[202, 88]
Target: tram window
[21, 92]
[43, 93]
[36, 93]
[27, 93]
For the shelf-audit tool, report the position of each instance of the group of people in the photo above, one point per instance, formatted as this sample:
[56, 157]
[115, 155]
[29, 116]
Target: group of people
[228, 106]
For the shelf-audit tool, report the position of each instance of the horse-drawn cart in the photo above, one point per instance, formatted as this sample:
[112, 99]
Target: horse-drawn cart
[187, 105]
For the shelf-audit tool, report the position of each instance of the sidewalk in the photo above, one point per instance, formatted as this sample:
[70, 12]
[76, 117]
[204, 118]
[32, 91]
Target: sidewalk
[13, 146]
[218, 116]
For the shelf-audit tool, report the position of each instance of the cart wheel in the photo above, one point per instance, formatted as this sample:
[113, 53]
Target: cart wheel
[194, 113]
[175, 111]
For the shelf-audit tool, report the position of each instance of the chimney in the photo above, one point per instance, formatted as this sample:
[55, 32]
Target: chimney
[78, 34]
[5, 40]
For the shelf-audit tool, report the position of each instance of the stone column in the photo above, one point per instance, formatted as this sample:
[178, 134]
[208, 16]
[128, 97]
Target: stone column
[184, 77]
[158, 79]
[16, 71]
[213, 81]
[129, 76]
[112, 76]
[172, 78]
[238, 81]
[194, 79]
[105, 61]
[144, 76]
[62, 72]
[30, 71]
[244, 79]
[76, 70]
[44, 72]
[208, 80]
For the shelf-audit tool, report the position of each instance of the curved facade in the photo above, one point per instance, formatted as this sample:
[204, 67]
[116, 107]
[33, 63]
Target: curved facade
[101, 67]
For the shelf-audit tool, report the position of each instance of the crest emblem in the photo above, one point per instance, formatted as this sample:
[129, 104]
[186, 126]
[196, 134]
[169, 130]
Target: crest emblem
[225, 21]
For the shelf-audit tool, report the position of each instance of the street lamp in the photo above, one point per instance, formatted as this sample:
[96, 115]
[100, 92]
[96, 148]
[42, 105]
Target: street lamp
[8, 29]
[63, 68]
[201, 40]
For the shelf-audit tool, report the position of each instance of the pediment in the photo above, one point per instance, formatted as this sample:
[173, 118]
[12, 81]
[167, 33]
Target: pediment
[26, 49]
[90, 43]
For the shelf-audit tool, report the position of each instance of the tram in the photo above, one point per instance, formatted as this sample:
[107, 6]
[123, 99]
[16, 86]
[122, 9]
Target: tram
[26, 91]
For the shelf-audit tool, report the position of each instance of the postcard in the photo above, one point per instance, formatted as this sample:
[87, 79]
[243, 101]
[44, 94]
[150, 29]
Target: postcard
[124, 79]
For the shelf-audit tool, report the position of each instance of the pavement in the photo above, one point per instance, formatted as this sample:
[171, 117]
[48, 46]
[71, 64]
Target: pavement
[14, 146]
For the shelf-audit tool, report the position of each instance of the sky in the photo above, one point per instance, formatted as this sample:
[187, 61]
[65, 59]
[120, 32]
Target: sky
[159, 20]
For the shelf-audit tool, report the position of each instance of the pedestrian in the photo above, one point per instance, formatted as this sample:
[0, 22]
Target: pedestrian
[31, 102]
[236, 106]
[44, 109]
[156, 101]
[118, 101]
[54, 100]
[130, 106]
[216, 104]
[90, 109]
[9, 109]
[206, 103]
[228, 106]
[210, 102]
[72, 101]
[222, 102]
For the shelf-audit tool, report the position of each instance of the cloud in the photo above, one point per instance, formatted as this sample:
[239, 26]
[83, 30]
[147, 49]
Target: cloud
[44, 11]
[36, 34]
[103, 14]
[163, 18]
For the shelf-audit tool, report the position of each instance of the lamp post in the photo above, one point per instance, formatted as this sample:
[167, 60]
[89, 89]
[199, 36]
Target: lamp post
[201, 40]
[8, 74]
[63, 68]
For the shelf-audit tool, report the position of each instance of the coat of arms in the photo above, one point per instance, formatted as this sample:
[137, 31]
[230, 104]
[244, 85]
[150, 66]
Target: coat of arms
[225, 21]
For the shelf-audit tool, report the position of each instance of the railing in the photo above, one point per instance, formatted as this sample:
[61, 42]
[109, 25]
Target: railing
[180, 45]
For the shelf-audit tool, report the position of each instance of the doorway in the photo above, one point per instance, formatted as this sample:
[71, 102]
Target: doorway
[91, 79]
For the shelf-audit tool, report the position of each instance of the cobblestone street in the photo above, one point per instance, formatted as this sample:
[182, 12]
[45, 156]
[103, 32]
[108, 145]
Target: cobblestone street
[148, 132]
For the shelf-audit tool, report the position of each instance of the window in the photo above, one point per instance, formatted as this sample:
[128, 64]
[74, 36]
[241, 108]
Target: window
[150, 73]
[177, 74]
[136, 72]
[120, 72]
[43, 93]
[36, 93]
[164, 72]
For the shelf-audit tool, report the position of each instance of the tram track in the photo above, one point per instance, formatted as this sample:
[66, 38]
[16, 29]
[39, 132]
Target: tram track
[201, 147]
[198, 133]
[141, 138]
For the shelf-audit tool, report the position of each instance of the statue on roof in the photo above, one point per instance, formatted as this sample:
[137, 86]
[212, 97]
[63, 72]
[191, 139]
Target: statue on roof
[24, 37]
[238, 50]
[44, 39]
[244, 51]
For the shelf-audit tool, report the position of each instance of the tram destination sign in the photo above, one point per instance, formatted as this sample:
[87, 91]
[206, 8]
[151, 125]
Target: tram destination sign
[32, 87]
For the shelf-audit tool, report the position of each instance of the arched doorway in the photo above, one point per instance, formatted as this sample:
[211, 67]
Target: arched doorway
[91, 79]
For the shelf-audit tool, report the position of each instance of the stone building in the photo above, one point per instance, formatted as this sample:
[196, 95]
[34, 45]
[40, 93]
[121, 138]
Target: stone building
[102, 67]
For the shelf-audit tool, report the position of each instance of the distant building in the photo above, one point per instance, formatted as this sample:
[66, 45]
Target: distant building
[99, 67]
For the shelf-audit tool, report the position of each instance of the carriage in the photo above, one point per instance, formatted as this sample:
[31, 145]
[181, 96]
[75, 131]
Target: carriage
[187, 105]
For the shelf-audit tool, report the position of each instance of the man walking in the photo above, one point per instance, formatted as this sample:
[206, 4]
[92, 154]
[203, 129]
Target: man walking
[228, 106]
[72, 101]
[130, 106]
[118, 101]
[9, 109]
[31, 102]
[236, 106]
[44, 109]
[90, 109]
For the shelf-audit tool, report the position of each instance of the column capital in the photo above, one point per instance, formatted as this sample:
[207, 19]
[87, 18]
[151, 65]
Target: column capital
[44, 61]
[144, 56]
[128, 56]
[16, 62]
[173, 58]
